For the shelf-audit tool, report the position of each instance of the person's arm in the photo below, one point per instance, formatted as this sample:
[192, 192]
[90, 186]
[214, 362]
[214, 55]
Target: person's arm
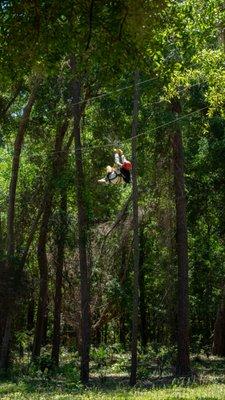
[117, 160]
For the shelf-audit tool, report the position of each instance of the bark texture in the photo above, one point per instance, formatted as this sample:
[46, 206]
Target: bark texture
[42, 242]
[82, 227]
[43, 277]
[219, 329]
[183, 360]
[14, 174]
[133, 375]
[143, 305]
[5, 347]
[60, 245]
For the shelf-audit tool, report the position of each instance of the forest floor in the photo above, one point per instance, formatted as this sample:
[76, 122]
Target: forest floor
[107, 384]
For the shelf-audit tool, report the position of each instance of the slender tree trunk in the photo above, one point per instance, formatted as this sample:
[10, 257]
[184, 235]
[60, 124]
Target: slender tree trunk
[30, 239]
[14, 174]
[43, 285]
[122, 317]
[12, 100]
[143, 310]
[30, 314]
[219, 329]
[82, 228]
[183, 360]
[1, 239]
[10, 219]
[218, 347]
[45, 327]
[5, 343]
[133, 376]
[60, 243]
[42, 242]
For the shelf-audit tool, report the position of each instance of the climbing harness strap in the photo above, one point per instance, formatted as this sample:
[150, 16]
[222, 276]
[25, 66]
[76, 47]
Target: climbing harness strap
[112, 176]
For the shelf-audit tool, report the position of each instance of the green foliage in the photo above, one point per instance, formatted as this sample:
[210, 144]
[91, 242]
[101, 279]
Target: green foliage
[180, 46]
[209, 385]
[99, 356]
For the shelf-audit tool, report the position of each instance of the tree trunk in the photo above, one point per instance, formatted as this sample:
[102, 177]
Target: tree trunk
[219, 329]
[45, 327]
[183, 360]
[31, 235]
[133, 376]
[60, 244]
[30, 314]
[218, 347]
[12, 100]
[143, 308]
[5, 343]
[1, 239]
[82, 228]
[43, 284]
[122, 317]
[42, 242]
[14, 175]
[10, 219]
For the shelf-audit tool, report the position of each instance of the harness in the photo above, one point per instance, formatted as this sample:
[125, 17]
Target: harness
[111, 176]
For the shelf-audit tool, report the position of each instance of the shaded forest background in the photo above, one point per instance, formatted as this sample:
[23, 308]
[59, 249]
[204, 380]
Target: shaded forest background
[66, 243]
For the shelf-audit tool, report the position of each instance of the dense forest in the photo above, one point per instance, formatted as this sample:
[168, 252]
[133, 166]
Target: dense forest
[118, 278]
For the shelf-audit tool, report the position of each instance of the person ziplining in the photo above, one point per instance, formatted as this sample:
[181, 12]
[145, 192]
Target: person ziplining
[120, 172]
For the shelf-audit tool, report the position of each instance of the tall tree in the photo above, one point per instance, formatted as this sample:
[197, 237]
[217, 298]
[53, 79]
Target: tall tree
[11, 216]
[183, 359]
[43, 237]
[14, 175]
[219, 328]
[133, 375]
[143, 305]
[82, 224]
[60, 248]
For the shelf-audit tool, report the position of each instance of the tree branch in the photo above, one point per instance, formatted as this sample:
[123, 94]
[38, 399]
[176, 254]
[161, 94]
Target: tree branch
[120, 217]
[31, 236]
[90, 24]
[11, 101]
[122, 24]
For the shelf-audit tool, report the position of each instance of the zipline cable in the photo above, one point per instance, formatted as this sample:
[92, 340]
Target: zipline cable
[122, 89]
[140, 134]
[84, 148]
[151, 104]
[146, 133]
[114, 91]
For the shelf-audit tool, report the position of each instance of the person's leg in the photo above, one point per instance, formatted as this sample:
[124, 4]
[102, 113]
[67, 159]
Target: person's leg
[126, 175]
[106, 178]
[103, 180]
